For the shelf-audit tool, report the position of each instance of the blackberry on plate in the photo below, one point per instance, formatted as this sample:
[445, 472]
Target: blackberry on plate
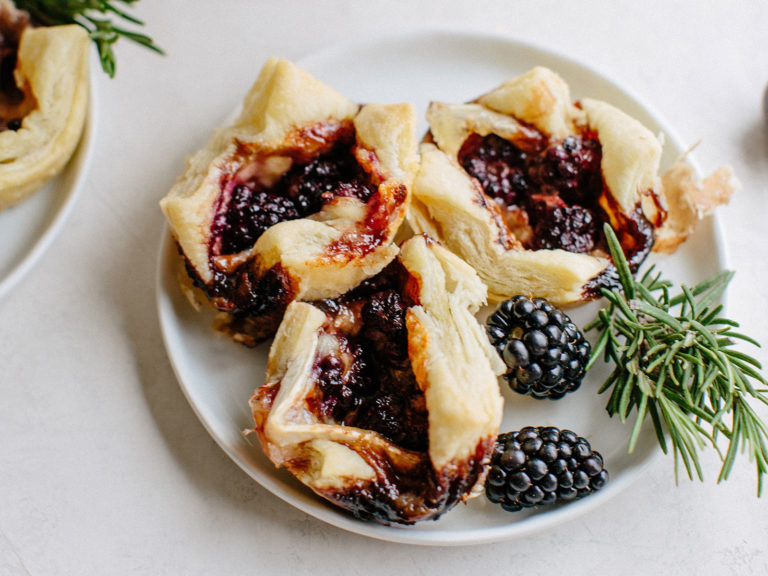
[544, 351]
[541, 465]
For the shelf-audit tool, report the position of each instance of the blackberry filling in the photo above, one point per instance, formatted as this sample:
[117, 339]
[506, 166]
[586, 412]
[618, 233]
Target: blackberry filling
[363, 370]
[498, 165]
[312, 185]
[559, 225]
[253, 205]
[551, 195]
[570, 169]
[249, 214]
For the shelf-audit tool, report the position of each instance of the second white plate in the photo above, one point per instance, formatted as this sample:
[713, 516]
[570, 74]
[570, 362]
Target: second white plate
[28, 228]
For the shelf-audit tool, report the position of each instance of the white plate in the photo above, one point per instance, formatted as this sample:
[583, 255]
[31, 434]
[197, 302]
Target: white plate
[219, 376]
[27, 229]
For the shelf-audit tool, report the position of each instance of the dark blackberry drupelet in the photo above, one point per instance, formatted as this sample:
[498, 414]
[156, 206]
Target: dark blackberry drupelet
[544, 351]
[537, 466]
[302, 191]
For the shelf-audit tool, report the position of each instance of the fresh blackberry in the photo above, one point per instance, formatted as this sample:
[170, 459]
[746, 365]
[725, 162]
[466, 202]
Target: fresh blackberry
[544, 351]
[538, 465]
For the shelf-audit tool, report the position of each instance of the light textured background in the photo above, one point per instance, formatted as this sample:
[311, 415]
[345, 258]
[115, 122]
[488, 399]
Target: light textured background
[104, 469]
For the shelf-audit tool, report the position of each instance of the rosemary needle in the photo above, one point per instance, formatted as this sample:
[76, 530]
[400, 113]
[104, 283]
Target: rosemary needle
[675, 366]
[96, 16]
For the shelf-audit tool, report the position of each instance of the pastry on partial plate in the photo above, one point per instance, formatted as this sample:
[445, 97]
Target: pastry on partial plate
[43, 101]
[385, 401]
[299, 198]
[520, 181]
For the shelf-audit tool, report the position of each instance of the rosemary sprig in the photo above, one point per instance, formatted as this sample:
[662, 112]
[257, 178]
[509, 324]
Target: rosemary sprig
[102, 30]
[674, 364]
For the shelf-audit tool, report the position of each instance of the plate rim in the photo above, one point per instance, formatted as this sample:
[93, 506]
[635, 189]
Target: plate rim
[324, 511]
[80, 162]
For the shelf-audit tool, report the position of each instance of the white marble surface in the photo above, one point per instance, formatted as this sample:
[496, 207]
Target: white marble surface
[104, 468]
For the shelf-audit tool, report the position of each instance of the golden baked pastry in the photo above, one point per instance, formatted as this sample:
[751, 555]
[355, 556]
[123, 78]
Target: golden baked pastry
[43, 106]
[385, 401]
[299, 198]
[519, 182]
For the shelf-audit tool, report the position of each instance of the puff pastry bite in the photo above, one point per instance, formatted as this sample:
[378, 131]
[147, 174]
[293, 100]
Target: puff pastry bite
[299, 198]
[519, 182]
[385, 401]
[43, 101]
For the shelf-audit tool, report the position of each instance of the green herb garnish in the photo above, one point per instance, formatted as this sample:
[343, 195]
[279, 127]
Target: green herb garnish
[103, 32]
[674, 362]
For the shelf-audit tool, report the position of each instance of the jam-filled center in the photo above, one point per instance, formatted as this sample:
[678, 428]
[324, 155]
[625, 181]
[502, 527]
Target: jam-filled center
[363, 369]
[548, 196]
[251, 204]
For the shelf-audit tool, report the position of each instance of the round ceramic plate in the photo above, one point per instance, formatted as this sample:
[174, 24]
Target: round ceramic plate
[28, 228]
[218, 376]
